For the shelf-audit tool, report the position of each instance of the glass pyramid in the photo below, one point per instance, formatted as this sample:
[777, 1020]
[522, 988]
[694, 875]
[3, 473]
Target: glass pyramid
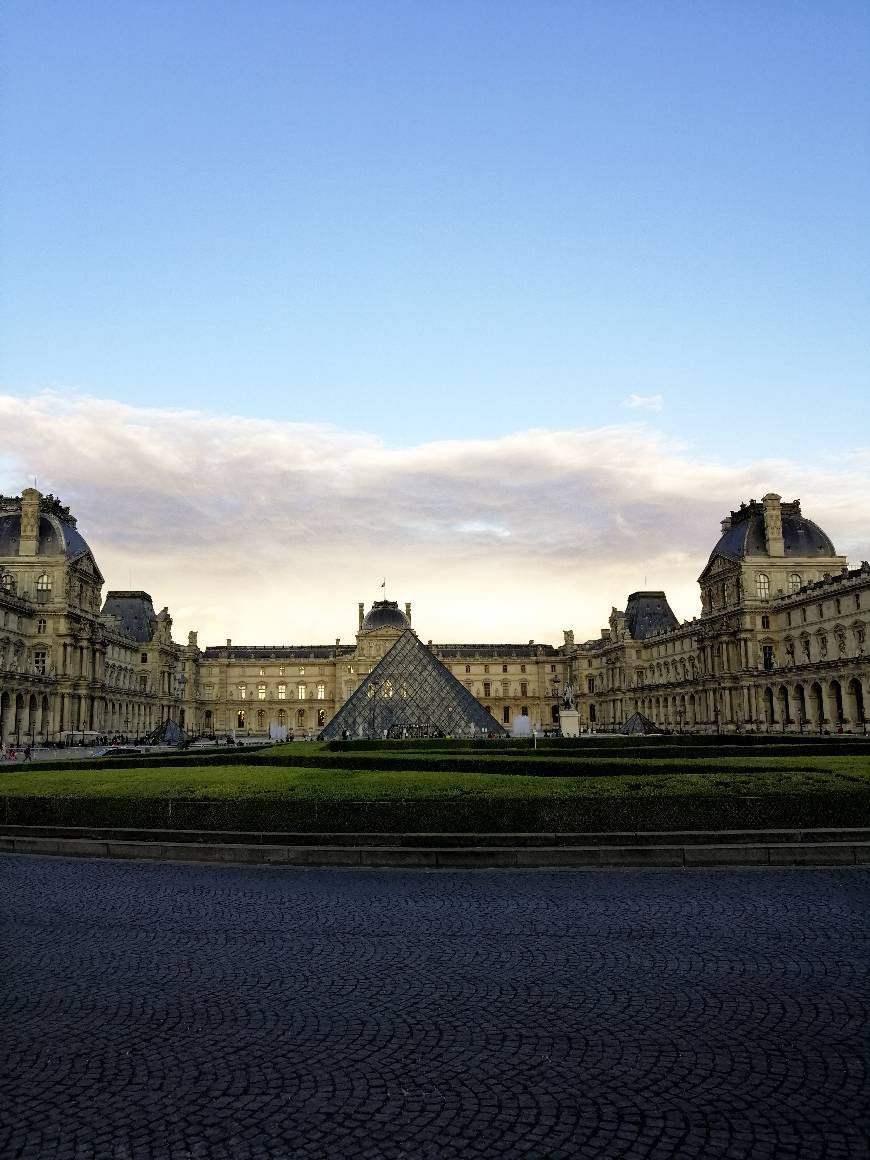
[410, 693]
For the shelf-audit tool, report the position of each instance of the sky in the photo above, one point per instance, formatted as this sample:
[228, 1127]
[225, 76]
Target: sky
[510, 302]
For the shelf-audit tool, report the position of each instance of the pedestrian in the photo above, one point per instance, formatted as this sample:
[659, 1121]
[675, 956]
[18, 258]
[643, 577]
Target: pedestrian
[27, 753]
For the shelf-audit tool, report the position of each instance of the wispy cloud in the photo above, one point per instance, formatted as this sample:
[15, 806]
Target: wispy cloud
[644, 402]
[269, 531]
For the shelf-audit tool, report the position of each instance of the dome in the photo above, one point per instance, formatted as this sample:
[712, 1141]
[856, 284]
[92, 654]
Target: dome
[56, 536]
[385, 614]
[745, 535]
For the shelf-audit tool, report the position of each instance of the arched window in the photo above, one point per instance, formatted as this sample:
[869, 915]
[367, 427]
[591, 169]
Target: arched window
[794, 583]
[240, 719]
[762, 586]
[43, 588]
[321, 717]
[7, 582]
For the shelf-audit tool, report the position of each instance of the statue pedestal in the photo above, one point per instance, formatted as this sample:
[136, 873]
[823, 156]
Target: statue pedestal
[569, 723]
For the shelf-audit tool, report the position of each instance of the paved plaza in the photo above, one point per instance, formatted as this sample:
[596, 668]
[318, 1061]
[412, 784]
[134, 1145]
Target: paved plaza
[180, 1012]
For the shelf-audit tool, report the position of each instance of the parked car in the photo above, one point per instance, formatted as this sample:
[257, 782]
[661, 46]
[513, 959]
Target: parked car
[118, 751]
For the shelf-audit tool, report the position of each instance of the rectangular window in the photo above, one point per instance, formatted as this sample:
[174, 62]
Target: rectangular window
[41, 626]
[857, 599]
[321, 692]
[143, 682]
[261, 692]
[803, 616]
[243, 692]
[280, 670]
[144, 658]
[487, 687]
[300, 692]
[504, 668]
[262, 671]
[486, 668]
[506, 714]
[522, 668]
[788, 618]
[553, 668]
[282, 692]
[765, 622]
[468, 668]
[208, 691]
[767, 656]
[590, 684]
[39, 662]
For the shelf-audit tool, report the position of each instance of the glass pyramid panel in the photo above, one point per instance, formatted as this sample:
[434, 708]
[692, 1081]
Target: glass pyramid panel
[410, 693]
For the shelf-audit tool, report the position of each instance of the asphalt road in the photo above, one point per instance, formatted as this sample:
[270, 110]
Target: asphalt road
[159, 1011]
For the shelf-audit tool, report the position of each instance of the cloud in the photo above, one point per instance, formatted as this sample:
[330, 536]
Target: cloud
[644, 402]
[271, 532]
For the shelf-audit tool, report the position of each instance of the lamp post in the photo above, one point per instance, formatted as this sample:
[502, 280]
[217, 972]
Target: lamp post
[555, 681]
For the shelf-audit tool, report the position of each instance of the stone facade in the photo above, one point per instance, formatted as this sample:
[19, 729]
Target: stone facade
[780, 644]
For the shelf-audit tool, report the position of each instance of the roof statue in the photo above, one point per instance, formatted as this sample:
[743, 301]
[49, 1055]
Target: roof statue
[410, 693]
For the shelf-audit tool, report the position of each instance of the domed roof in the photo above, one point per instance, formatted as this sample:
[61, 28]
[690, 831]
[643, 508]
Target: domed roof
[745, 536]
[57, 537]
[385, 614]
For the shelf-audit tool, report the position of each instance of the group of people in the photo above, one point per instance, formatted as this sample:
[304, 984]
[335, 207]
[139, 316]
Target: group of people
[10, 753]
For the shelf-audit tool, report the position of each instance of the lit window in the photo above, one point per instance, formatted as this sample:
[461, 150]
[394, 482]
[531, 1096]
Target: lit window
[300, 692]
[321, 717]
[762, 586]
[243, 692]
[794, 583]
[302, 671]
[280, 670]
[261, 692]
[282, 692]
[240, 718]
[321, 691]
[41, 627]
[262, 671]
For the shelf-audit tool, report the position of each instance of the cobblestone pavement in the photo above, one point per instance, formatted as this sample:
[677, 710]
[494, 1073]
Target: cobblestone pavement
[193, 1012]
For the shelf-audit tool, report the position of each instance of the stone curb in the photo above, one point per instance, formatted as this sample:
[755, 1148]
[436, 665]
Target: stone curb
[466, 857]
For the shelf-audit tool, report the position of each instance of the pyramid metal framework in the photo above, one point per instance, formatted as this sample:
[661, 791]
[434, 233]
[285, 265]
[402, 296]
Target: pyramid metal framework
[410, 693]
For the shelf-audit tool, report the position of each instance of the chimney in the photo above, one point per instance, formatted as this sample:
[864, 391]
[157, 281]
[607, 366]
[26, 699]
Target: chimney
[361, 614]
[337, 641]
[191, 639]
[408, 612]
[229, 643]
[773, 525]
[28, 545]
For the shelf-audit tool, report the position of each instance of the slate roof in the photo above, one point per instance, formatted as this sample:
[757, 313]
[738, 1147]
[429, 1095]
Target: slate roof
[745, 537]
[648, 614]
[135, 611]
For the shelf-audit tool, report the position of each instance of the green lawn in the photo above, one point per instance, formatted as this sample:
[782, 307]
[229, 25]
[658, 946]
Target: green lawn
[246, 782]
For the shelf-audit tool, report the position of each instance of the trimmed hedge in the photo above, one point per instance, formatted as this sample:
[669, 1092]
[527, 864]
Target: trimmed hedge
[816, 809]
[608, 741]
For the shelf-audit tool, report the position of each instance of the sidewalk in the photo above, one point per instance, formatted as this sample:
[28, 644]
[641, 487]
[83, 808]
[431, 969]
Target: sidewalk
[451, 851]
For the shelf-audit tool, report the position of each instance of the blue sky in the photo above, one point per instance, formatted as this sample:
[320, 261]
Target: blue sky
[511, 301]
[432, 220]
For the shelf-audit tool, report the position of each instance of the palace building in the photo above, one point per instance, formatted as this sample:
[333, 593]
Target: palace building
[779, 644]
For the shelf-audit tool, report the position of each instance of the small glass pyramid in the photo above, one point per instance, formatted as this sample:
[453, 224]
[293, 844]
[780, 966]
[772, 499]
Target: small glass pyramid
[410, 693]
